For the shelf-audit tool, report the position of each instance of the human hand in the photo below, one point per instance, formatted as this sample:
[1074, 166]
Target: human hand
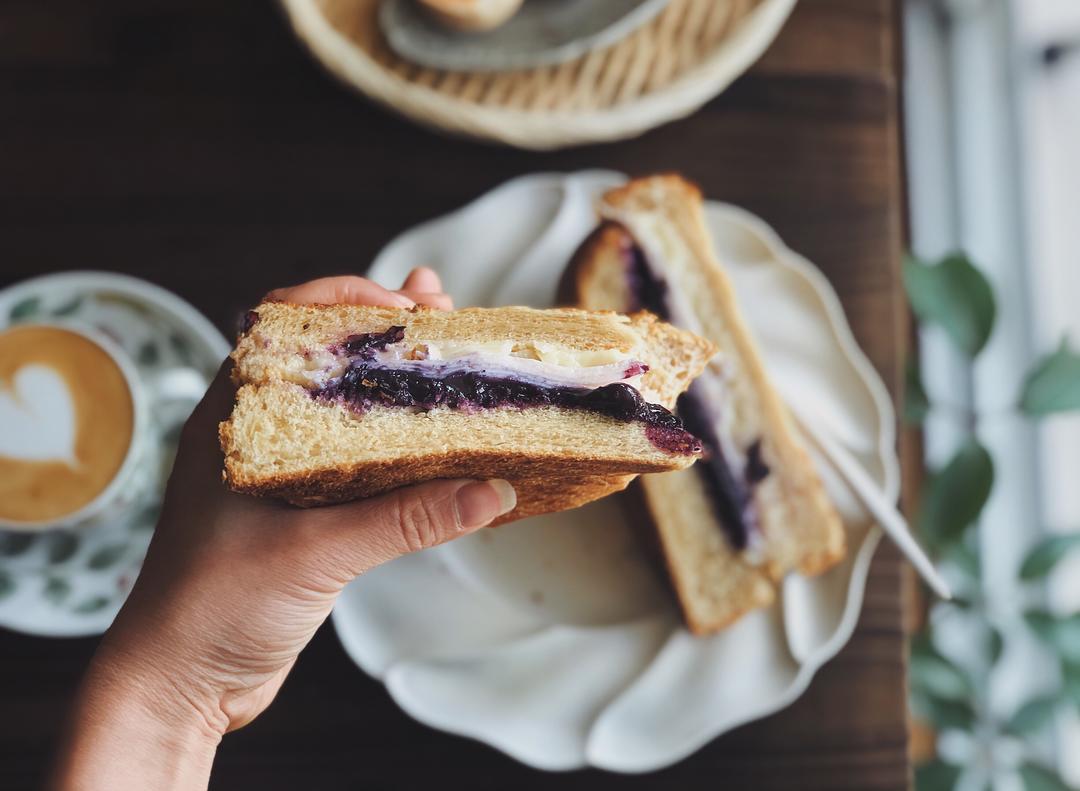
[234, 587]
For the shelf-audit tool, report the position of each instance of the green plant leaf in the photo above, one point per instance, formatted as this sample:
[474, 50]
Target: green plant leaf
[954, 295]
[1071, 672]
[1046, 554]
[955, 495]
[25, 309]
[995, 645]
[936, 775]
[57, 589]
[1033, 715]
[62, 546]
[967, 560]
[1053, 385]
[1060, 633]
[943, 714]
[7, 584]
[93, 604]
[935, 675]
[1039, 778]
[960, 602]
[68, 307]
[12, 544]
[107, 556]
[916, 402]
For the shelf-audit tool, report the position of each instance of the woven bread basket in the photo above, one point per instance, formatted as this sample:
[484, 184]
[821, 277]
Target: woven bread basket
[664, 70]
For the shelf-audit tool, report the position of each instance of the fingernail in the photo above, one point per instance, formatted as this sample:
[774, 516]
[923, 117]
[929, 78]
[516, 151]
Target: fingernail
[403, 300]
[507, 495]
[478, 503]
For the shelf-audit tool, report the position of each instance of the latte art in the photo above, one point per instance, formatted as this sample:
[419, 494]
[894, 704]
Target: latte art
[37, 417]
[66, 422]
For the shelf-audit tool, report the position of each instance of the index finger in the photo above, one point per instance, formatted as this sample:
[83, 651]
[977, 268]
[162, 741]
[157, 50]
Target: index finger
[423, 279]
[344, 290]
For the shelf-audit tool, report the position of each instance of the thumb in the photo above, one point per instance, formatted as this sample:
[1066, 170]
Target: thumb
[414, 518]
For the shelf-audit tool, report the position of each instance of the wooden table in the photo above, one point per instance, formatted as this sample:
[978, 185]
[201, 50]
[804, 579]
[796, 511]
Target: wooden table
[192, 143]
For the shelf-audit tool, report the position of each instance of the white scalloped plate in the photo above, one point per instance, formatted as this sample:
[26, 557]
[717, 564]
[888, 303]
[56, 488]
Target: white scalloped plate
[551, 639]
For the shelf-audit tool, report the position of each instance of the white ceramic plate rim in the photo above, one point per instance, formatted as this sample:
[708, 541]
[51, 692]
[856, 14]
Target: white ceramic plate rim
[860, 567]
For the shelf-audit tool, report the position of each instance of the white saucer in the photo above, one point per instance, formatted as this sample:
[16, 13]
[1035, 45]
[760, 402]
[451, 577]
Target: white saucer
[72, 583]
[550, 639]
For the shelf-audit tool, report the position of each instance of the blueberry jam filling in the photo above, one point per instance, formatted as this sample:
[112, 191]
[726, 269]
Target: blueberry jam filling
[366, 345]
[250, 319]
[731, 495]
[366, 382]
[756, 468]
[647, 292]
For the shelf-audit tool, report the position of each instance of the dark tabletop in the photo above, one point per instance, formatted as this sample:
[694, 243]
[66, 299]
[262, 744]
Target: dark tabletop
[192, 143]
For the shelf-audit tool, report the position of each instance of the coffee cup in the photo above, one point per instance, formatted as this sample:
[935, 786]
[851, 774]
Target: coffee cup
[76, 423]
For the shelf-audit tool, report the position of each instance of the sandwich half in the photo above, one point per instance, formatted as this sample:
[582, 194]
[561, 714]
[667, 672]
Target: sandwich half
[340, 402]
[754, 508]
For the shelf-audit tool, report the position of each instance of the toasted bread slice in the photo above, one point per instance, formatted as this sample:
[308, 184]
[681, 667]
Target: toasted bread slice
[286, 439]
[652, 249]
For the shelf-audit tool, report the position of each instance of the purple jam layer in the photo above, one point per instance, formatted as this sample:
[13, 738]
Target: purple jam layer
[731, 495]
[365, 346]
[365, 384]
[647, 292]
[250, 319]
